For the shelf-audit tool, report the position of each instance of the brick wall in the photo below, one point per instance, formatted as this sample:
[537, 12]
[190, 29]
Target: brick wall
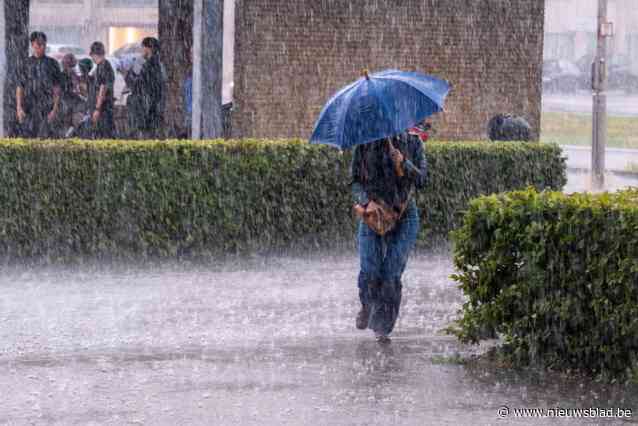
[16, 21]
[176, 35]
[291, 56]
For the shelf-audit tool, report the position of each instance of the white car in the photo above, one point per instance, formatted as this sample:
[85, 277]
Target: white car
[57, 51]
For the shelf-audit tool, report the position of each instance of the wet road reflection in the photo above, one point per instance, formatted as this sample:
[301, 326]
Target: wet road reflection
[268, 341]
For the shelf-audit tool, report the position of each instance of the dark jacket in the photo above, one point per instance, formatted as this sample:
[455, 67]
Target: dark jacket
[39, 77]
[146, 91]
[373, 175]
[68, 84]
[104, 76]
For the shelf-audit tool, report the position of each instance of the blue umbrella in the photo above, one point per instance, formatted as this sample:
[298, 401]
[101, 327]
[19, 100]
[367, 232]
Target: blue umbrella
[378, 106]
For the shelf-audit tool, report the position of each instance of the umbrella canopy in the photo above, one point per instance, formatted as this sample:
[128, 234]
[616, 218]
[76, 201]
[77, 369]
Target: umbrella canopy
[378, 106]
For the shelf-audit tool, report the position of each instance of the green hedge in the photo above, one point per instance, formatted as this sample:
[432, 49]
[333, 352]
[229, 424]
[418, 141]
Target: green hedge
[61, 201]
[557, 275]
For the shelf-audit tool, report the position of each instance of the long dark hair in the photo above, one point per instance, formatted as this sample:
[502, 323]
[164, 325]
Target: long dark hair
[153, 44]
[377, 171]
[375, 154]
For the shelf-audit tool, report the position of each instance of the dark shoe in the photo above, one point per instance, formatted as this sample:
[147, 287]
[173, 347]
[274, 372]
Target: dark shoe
[382, 338]
[362, 317]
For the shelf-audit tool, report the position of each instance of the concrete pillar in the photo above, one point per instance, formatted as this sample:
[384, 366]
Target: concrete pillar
[208, 36]
[599, 126]
[229, 50]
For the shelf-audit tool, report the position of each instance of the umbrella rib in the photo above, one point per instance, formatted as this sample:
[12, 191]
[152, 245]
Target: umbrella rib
[382, 106]
[342, 120]
[425, 92]
[330, 104]
[438, 107]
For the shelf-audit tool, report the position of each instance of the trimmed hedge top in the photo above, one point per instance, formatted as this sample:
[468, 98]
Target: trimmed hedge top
[61, 201]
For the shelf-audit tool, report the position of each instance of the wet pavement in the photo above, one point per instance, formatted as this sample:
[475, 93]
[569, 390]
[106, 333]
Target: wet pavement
[579, 180]
[263, 342]
[616, 159]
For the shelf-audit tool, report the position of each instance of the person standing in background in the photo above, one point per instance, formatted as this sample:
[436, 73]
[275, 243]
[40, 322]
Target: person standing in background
[100, 101]
[70, 100]
[146, 99]
[38, 92]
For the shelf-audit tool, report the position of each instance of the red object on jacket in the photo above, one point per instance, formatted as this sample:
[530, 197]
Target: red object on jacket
[420, 133]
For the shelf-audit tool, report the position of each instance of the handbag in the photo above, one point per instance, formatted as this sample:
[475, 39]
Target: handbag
[383, 220]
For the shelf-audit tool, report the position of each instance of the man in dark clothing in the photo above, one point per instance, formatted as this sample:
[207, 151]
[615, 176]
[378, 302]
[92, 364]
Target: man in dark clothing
[100, 101]
[70, 101]
[38, 92]
[145, 101]
[85, 65]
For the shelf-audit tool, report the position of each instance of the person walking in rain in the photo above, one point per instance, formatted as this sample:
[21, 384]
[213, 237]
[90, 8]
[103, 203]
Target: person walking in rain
[86, 77]
[70, 100]
[38, 92]
[371, 115]
[100, 97]
[384, 175]
[145, 101]
[82, 126]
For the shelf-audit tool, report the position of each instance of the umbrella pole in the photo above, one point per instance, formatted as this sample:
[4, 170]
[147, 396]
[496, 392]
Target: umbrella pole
[397, 168]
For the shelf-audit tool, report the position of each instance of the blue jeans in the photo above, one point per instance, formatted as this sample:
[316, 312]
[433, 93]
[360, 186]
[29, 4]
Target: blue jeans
[383, 260]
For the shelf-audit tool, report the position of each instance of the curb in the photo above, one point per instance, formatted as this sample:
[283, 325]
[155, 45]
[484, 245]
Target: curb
[622, 173]
[611, 150]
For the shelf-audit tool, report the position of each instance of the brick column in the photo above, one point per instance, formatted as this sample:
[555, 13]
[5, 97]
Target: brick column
[3, 66]
[176, 38]
[16, 51]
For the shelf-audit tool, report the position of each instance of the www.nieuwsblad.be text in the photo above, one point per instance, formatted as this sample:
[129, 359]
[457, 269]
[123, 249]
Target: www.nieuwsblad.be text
[558, 412]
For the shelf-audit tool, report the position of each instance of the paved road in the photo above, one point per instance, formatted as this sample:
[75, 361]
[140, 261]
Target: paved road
[581, 181]
[616, 159]
[618, 103]
[265, 342]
